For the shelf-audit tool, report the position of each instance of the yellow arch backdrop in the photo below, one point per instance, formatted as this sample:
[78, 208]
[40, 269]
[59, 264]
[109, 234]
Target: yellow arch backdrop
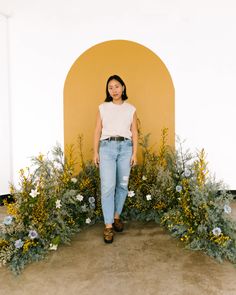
[149, 88]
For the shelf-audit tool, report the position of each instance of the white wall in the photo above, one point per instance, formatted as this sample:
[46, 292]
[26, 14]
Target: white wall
[195, 39]
[5, 116]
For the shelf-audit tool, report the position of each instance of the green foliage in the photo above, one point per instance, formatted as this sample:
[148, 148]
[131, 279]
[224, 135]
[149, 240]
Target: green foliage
[172, 188]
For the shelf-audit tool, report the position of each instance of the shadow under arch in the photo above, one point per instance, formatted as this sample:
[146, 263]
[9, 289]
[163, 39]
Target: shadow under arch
[149, 88]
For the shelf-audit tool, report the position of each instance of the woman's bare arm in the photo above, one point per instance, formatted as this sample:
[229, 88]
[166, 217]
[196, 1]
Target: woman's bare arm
[97, 135]
[134, 131]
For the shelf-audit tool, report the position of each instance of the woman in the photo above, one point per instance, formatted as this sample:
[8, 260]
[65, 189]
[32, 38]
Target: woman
[115, 152]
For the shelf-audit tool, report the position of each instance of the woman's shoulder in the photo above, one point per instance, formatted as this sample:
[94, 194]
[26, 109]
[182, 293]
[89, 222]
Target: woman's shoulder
[103, 104]
[130, 106]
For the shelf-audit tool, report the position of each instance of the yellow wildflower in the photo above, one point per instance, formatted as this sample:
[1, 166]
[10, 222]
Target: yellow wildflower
[28, 244]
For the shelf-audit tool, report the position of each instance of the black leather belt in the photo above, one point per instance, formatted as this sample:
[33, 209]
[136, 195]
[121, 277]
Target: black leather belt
[116, 138]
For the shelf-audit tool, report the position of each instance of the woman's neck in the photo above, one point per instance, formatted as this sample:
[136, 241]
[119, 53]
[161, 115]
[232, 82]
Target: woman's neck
[120, 101]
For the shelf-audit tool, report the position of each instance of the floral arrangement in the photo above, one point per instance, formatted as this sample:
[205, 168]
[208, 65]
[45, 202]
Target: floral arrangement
[172, 188]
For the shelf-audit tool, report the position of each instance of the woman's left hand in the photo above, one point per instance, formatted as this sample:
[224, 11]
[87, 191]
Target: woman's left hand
[133, 160]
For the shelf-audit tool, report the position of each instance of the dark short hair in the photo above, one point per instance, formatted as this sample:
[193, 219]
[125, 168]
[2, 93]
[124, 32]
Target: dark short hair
[117, 78]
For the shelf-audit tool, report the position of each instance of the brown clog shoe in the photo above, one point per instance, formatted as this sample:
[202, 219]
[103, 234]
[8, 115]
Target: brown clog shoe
[118, 225]
[108, 234]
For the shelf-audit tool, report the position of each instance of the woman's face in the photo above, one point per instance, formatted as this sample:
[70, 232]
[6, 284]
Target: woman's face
[115, 89]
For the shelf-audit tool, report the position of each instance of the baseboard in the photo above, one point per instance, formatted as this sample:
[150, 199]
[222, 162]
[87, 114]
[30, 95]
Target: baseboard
[233, 192]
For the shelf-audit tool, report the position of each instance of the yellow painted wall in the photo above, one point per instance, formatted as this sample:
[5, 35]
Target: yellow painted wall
[149, 88]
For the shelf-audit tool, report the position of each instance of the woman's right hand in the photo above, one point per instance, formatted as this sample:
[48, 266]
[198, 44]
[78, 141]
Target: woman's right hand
[96, 159]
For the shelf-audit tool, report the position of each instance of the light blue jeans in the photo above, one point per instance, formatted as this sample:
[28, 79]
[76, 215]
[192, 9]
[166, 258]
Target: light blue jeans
[114, 169]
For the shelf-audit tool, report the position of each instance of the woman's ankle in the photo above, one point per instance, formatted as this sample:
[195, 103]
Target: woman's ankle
[108, 225]
[117, 216]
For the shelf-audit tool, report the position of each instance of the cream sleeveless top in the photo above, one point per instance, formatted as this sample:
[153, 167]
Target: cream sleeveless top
[116, 119]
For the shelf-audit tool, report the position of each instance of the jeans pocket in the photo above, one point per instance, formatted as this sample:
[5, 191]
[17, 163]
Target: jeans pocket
[103, 143]
[129, 142]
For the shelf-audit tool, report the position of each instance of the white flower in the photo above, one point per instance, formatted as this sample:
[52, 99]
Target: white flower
[74, 180]
[79, 198]
[91, 200]
[58, 203]
[84, 208]
[53, 247]
[148, 197]
[34, 193]
[131, 194]
[33, 234]
[19, 244]
[227, 209]
[178, 188]
[144, 177]
[7, 220]
[88, 220]
[187, 172]
[216, 231]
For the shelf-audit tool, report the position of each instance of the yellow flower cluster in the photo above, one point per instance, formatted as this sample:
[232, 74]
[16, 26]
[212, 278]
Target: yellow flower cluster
[84, 184]
[184, 238]
[187, 236]
[3, 243]
[40, 214]
[26, 182]
[191, 231]
[11, 208]
[98, 211]
[160, 205]
[170, 226]
[40, 157]
[187, 210]
[162, 150]
[185, 199]
[200, 167]
[65, 177]
[176, 218]
[71, 221]
[220, 240]
[68, 167]
[28, 244]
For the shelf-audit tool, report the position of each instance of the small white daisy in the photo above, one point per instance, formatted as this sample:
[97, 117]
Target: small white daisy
[79, 197]
[131, 194]
[88, 220]
[34, 193]
[148, 197]
[58, 203]
[74, 180]
[53, 247]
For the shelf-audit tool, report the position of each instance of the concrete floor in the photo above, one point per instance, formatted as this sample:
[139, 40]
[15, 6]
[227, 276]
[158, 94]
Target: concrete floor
[143, 259]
